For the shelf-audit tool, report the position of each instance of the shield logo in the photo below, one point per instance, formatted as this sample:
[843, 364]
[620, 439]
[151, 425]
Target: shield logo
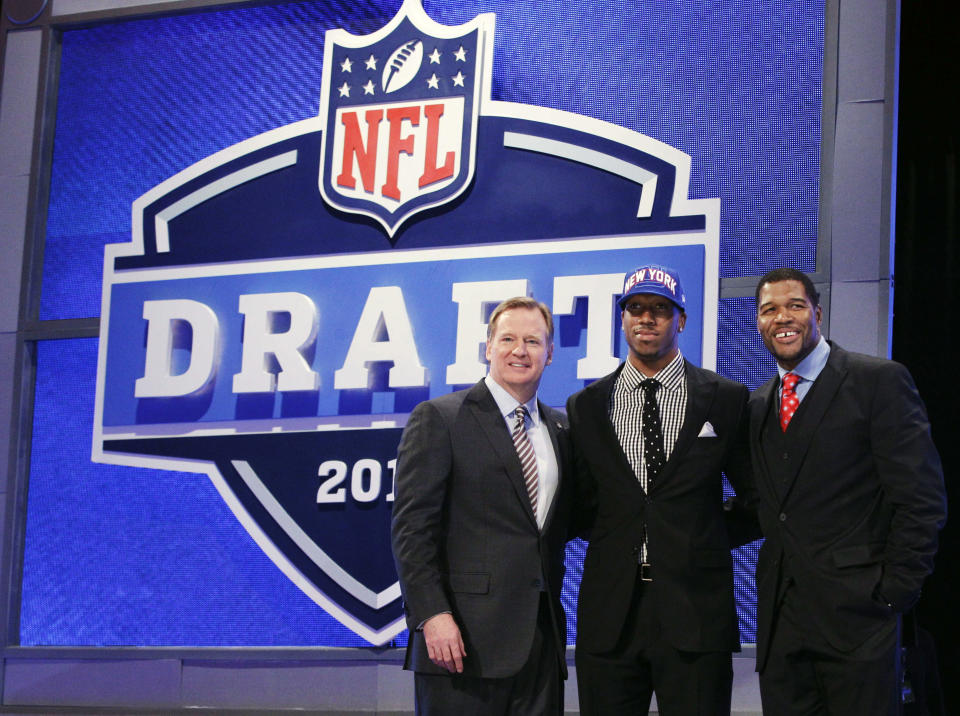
[251, 334]
[399, 114]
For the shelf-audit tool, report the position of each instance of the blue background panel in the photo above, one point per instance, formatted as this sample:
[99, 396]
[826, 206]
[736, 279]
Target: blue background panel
[741, 355]
[124, 556]
[735, 85]
[119, 556]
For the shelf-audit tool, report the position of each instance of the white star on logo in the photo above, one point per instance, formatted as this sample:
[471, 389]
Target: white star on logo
[458, 79]
[461, 54]
[435, 57]
[368, 88]
[346, 65]
[433, 82]
[345, 90]
[371, 63]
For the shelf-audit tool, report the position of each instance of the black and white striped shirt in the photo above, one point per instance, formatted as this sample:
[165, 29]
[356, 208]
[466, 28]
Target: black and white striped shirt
[626, 407]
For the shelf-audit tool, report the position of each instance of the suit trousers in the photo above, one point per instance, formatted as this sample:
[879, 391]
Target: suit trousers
[805, 676]
[623, 681]
[536, 689]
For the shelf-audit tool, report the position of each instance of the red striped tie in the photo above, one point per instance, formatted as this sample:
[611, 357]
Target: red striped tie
[528, 458]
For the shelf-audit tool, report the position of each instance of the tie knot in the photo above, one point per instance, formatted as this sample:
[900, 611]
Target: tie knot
[790, 381]
[521, 414]
[650, 386]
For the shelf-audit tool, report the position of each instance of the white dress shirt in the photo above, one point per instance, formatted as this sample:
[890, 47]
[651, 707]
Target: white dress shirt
[548, 472]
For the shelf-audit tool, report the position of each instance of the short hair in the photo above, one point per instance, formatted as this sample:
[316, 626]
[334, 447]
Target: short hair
[520, 302]
[788, 274]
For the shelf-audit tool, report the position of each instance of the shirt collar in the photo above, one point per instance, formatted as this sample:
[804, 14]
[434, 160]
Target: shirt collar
[508, 404]
[811, 366]
[670, 376]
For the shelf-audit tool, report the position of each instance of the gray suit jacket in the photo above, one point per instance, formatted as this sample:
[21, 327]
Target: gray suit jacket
[464, 536]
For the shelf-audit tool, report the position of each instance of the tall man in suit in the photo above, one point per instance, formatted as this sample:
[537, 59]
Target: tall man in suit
[479, 527]
[851, 500]
[656, 610]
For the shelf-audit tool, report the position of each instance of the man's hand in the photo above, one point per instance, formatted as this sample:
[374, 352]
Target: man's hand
[444, 643]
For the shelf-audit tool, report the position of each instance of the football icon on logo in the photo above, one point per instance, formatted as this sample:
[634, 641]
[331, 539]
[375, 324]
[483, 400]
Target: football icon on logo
[402, 66]
[402, 106]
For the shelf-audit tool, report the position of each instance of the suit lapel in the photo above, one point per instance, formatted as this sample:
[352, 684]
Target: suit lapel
[760, 406]
[597, 416]
[484, 408]
[700, 395]
[805, 423]
[553, 430]
[810, 414]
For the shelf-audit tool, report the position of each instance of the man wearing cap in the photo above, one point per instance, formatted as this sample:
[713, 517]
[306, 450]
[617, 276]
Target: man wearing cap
[851, 500]
[479, 526]
[656, 610]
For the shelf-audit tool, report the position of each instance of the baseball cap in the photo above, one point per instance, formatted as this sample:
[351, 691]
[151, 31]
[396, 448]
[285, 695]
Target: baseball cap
[659, 280]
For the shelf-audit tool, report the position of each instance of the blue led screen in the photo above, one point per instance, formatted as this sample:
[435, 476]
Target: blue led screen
[124, 556]
[736, 86]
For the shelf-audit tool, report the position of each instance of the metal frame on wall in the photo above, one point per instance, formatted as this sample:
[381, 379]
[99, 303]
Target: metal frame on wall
[853, 273]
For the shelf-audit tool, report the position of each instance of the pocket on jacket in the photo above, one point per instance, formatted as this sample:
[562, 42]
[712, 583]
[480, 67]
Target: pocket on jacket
[469, 582]
[858, 555]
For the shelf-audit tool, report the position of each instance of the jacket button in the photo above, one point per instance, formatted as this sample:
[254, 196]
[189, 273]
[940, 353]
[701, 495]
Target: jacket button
[536, 584]
[635, 550]
[783, 517]
[786, 456]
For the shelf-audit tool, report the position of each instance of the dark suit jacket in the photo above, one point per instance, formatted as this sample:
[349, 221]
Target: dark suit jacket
[687, 535]
[857, 511]
[464, 536]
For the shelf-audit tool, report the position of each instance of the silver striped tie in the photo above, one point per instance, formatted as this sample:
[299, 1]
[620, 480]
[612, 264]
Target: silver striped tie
[528, 459]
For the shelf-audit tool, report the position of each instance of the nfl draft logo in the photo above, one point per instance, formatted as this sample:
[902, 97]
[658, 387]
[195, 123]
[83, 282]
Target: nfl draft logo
[285, 303]
[399, 112]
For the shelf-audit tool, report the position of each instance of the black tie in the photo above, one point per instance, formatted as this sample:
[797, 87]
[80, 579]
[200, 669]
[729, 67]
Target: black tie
[653, 455]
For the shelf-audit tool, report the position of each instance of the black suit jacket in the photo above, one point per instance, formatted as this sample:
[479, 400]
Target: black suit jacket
[464, 536]
[687, 535]
[857, 510]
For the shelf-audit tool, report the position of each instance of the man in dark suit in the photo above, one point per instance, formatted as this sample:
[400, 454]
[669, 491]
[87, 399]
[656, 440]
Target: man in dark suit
[479, 527]
[656, 609]
[851, 500]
